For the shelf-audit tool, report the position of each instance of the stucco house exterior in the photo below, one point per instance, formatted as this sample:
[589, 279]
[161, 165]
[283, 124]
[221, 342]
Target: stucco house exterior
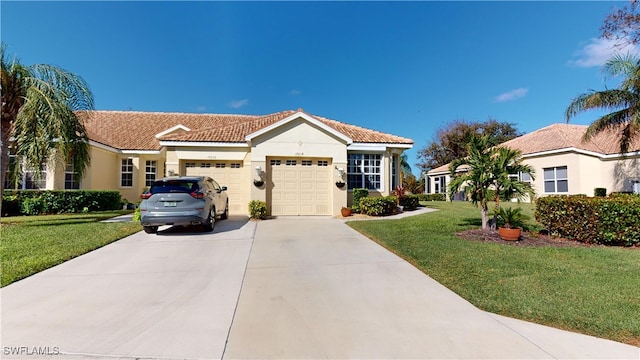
[297, 156]
[566, 165]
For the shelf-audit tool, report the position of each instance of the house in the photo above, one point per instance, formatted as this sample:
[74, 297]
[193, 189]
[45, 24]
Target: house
[566, 165]
[296, 162]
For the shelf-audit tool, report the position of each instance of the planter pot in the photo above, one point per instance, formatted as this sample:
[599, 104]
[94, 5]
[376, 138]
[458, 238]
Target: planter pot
[509, 234]
[345, 212]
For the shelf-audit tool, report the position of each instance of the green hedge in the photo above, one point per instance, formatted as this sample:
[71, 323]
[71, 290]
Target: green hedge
[409, 202]
[34, 202]
[614, 220]
[357, 195]
[378, 206]
[432, 197]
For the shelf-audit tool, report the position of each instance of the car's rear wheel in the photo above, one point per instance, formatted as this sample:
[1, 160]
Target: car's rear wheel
[150, 229]
[211, 221]
[225, 215]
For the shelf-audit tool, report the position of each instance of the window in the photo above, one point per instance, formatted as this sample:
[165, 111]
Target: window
[439, 184]
[364, 171]
[323, 163]
[205, 165]
[307, 162]
[291, 163]
[276, 162]
[126, 173]
[235, 165]
[555, 180]
[394, 176]
[71, 178]
[151, 168]
[190, 165]
[34, 179]
[220, 165]
[525, 177]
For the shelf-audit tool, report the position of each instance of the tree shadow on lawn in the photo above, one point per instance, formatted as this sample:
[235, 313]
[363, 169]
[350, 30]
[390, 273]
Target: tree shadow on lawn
[470, 222]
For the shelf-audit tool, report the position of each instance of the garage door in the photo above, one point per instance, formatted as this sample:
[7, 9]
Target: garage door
[225, 173]
[299, 186]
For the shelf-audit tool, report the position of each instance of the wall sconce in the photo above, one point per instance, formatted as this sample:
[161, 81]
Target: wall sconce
[171, 172]
[258, 182]
[340, 183]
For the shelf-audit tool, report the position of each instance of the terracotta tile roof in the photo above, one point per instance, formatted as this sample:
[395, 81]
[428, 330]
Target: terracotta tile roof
[562, 136]
[131, 130]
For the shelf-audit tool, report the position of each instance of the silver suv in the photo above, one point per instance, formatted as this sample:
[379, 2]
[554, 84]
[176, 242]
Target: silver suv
[183, 200]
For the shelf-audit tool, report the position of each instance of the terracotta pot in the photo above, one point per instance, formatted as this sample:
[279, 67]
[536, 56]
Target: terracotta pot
[345, 212]
[509, 234]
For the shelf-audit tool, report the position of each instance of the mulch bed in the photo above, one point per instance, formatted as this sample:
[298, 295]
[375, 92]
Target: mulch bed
[527, 239]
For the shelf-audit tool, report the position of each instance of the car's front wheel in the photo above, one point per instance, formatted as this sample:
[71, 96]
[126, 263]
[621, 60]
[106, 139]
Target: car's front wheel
[225, 214]
[150, 229]
[211, 221]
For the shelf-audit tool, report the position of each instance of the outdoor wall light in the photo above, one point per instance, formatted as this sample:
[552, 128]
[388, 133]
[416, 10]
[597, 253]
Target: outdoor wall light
[340, 182]
[258, 182]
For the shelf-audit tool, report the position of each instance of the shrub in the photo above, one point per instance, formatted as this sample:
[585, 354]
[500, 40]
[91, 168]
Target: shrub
[357, 195]
[409, 202]
[378, 206]
[258, 209]
[432, 197]
[609, 221]
[32, 202]
[600, 192]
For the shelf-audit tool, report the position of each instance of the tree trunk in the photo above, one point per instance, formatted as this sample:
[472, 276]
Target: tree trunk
[484, 211]
[5, 132]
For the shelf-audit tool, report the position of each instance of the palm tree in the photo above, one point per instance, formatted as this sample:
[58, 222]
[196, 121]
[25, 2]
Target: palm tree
[39, 104]
[506, 168]
[625, 102]
[485, 176]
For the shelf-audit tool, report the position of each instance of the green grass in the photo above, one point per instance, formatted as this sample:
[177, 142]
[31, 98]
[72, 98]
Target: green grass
[591, 290]
[30, 244]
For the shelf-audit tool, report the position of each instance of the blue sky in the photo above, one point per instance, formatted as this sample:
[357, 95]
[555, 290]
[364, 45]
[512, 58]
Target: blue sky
[404, 68]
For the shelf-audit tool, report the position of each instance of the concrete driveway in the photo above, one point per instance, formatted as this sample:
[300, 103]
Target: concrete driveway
[290, 288]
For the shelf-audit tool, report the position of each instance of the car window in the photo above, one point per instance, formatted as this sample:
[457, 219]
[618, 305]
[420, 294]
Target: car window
[215, 185]
[174, 186]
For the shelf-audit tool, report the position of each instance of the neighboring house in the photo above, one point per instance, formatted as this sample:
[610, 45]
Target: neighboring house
[299, 157]
[566, 165]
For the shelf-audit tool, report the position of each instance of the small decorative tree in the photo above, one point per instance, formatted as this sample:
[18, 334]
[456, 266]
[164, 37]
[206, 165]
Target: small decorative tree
[487, 177]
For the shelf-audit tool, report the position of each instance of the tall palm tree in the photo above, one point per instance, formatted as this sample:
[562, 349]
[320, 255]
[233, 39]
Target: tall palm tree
[485, 176]
[39, 104]
[625, 102]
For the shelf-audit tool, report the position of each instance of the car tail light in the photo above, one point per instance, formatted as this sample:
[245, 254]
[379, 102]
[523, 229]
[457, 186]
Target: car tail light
[145, 195]
[197, 195]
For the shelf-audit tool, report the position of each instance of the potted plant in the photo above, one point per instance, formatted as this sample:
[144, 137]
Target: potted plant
[345, 211]
[512, 222]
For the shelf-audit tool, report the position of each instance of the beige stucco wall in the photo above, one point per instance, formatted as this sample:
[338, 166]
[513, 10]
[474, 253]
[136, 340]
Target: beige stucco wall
[300, 138]
[585, 172]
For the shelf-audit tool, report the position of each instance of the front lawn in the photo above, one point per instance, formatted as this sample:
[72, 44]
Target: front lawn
[34, 243]
[591, 290]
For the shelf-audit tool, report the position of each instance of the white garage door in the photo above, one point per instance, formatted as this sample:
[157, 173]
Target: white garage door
[225, 173]
[300, 186]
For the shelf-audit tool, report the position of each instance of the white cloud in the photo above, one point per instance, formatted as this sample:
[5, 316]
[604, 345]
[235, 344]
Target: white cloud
[598, 51]
[236, 104]
[295, 92]
[512, 95]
